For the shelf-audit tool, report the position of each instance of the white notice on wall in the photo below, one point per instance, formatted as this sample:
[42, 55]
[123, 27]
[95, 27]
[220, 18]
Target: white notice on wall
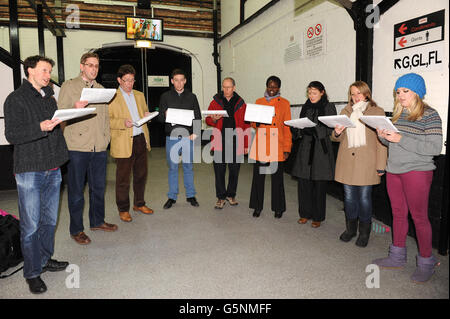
[314, 40]
[419, 59]
[158, 81]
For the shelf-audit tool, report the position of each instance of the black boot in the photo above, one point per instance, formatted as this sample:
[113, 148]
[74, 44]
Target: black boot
[364, 234]
[350, 232]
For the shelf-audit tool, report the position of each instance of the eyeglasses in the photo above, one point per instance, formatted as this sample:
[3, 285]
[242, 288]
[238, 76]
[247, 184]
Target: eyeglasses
[92, 65]
[129, 81]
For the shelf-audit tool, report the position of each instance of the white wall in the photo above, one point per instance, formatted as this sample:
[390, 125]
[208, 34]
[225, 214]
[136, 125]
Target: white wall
[78, 42]
[256, 51]
[384, 78]
[229, 15]
[251, 6]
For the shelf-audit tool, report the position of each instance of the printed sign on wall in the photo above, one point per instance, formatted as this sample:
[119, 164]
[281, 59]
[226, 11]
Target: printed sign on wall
[158, 81]
[314, 40]
[418, 43]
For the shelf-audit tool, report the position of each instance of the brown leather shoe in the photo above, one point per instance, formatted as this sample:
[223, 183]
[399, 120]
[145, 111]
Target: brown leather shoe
[143, 209]
[220, 203]
[81, 238]
[125, 216]
[232, 201]
[315, 224]
[302, 220]
[105, 227]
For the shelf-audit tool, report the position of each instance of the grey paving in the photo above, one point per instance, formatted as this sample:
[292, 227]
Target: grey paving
[188, 252]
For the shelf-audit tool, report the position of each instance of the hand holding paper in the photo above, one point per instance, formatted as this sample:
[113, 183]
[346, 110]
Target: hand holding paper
[259, 113]
[179, 116]
[302, 123]
[49, 125]
[145, 119]
[68, 114]
[378, 122]
[333, 120]
[97, 95]
[215, 112]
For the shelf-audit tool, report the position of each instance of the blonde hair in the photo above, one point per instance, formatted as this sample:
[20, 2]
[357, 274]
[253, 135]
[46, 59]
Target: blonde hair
[364, 89]
[416, 110]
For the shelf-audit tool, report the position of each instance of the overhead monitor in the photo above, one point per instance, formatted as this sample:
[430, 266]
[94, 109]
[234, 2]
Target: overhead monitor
[144, 29]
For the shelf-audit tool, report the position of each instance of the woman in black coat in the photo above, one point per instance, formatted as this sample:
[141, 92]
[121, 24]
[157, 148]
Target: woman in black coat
[314, 162]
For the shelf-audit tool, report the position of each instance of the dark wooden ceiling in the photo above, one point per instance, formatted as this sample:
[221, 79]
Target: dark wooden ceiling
[110, 14]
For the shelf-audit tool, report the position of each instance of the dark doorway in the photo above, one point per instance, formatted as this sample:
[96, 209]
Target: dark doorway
[160, 61]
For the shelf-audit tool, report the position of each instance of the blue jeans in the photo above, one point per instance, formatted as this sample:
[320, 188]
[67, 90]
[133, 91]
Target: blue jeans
[358, 202]
[176, 147]
[38, 210]
[92, 164]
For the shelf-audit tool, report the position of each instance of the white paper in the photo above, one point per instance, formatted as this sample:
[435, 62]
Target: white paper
[378, 121]
[300, 123]
[259, 113]
[145, 119]
[333, 120]
[68, 114]
[179, 116]
[216, 112]
[97, 95]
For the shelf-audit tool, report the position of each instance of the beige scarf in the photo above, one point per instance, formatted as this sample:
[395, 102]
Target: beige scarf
[356, 136]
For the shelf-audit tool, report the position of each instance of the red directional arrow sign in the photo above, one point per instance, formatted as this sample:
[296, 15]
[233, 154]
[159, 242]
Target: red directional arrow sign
[402, 29]
[402, 42]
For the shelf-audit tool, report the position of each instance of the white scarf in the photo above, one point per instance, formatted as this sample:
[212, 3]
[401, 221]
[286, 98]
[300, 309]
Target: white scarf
[356, 137]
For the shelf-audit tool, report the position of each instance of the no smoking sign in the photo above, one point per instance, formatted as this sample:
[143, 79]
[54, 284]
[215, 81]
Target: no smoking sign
[317, 30]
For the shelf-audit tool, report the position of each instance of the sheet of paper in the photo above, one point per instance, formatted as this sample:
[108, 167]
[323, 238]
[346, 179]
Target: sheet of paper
[300, 123]
[259, 113]
[145, 119]
[179, 116]
[378, 121]
[217, 112]
[68, 114]
[333, 120]
[97, 95]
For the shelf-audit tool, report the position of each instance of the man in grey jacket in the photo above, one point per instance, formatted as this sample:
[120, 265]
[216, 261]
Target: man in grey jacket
[87, 140]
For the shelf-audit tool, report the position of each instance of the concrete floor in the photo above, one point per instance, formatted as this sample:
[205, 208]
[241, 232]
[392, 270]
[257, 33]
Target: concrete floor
[188, 252]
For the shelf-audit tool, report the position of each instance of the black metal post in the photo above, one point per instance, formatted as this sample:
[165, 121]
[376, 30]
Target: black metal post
[14, 42]
[443, 229]
[242, 12]
[40, 25]
[60, 59]
[364, 41]
[216, 51]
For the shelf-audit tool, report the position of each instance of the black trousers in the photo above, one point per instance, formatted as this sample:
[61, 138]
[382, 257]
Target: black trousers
[312, 199]
[233, 175]
[278, 202]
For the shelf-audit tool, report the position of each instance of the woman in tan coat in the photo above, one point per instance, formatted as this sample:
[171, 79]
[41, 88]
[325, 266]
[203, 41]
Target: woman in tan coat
[361, 160]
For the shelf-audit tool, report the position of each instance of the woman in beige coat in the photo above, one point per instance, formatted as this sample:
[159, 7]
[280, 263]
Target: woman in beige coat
[361, 160]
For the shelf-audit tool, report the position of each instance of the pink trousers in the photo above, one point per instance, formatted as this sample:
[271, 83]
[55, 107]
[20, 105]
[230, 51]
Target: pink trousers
[410, 192]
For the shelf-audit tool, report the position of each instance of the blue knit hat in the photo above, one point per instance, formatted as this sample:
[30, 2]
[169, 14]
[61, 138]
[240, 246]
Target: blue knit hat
[412, 81]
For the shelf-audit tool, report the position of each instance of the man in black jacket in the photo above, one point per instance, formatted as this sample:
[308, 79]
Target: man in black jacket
[39, 151]
[179, 138]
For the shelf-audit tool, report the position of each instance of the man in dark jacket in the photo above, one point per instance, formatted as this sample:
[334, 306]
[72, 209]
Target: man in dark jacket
[39, 151]
[229, 140]
[179, 138]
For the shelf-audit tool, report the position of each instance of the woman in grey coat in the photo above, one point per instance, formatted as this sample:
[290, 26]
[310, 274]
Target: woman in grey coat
[314, 162]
